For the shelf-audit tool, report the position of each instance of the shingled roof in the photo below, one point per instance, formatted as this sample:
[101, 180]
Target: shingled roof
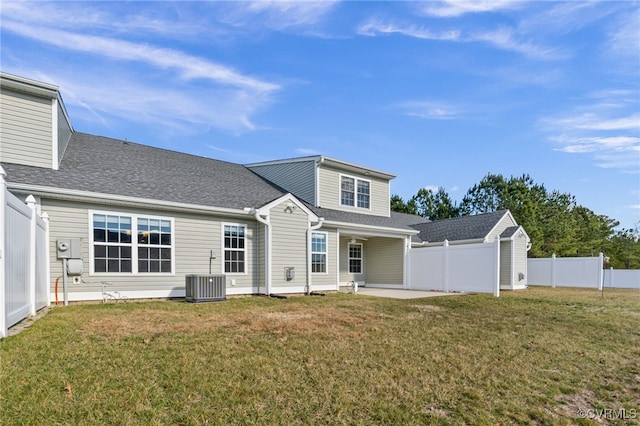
[460, 228]
[119, 168]
[396, 220]
[115, 167]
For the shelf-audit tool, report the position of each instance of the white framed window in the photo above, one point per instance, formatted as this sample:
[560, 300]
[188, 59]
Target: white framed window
[355, 192]
[122, 243]
[319, 252]
[234, 243]
[347, 190]
[355, 258]
[363, 193]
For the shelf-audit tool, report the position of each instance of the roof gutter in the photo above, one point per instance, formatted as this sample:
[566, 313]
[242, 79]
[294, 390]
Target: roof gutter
[120, 200]
[454, 242]
[267, 247]
[366, 228]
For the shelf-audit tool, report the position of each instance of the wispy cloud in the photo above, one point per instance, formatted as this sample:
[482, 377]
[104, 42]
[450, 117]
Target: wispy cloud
[277, 15]
[506, 39]
[189, 67]
[592, 121]
[609, 131]
[166, 87]
[455, 8]
[502, 38]
[430, 110]
[375, 27]
[74, 16]
[624, 38]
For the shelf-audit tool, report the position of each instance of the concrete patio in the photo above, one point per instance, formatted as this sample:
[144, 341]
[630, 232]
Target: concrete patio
[403, 294]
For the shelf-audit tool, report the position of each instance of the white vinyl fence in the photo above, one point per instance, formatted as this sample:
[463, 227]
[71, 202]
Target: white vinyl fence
[24, 259]
[583, 272]
[622, 278]
[465, 267]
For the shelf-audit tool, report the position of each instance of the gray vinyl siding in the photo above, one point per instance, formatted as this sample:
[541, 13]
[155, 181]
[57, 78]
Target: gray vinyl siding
[288, 246]
[328, 278]
[260, 253]
[504, 223]
[64, 132]
[345, 276]
[298, 178]
[25, 129]
[506, 267]
[194, 236]
[520, 260]
[329, 196]
[385, 261]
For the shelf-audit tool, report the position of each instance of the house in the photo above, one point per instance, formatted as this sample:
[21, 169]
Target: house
[514, 241]
[145, 218]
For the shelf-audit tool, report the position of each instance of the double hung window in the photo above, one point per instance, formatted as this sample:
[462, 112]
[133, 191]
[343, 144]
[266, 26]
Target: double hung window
[234, 248]
[355, 192]
[319, 252]
[355, 258]
[131, 244]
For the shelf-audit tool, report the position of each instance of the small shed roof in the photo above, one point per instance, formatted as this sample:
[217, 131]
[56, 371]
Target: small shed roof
[460, 228]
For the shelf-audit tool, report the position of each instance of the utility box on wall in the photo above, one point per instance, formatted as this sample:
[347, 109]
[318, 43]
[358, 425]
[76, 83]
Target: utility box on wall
[68, 248]
[289, 273]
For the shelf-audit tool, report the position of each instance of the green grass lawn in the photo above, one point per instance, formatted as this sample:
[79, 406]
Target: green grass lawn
[540, 356]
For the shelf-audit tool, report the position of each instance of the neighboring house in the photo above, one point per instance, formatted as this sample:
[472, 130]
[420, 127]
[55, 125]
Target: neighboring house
[147, 217]
[514, 241]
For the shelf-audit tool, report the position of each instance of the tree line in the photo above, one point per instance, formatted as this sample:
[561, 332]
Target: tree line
[555, 222]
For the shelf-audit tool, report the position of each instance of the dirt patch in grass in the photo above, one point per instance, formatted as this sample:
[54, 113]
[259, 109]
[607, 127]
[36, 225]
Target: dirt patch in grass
[576, 404]
[327, 320]
[428, 308]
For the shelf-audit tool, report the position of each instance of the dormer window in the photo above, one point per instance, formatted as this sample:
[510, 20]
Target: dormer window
[363, 194]
[355, 192]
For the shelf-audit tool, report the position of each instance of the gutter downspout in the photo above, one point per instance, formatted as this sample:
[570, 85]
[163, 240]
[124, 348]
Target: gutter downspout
[310, 229]
[267, 250]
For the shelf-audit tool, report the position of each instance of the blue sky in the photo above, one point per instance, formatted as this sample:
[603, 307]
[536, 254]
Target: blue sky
[438, 92]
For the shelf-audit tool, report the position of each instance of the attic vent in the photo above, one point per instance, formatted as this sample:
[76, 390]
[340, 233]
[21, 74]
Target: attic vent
[205, 288]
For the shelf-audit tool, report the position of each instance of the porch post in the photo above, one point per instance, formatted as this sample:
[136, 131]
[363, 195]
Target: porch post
[406, 274]
[600, 271]
[3, 248]
[496, 243]
[31, 203]
[445, 264]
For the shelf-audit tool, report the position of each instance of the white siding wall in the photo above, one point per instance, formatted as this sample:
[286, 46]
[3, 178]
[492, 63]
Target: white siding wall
[329, 196]
[520, 262]
[385, 261]
[289, 248]
[506, 267]
[194, 236]
[25, 129]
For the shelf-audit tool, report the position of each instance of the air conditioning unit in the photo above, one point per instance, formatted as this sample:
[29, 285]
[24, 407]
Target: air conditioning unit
[205, 288]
